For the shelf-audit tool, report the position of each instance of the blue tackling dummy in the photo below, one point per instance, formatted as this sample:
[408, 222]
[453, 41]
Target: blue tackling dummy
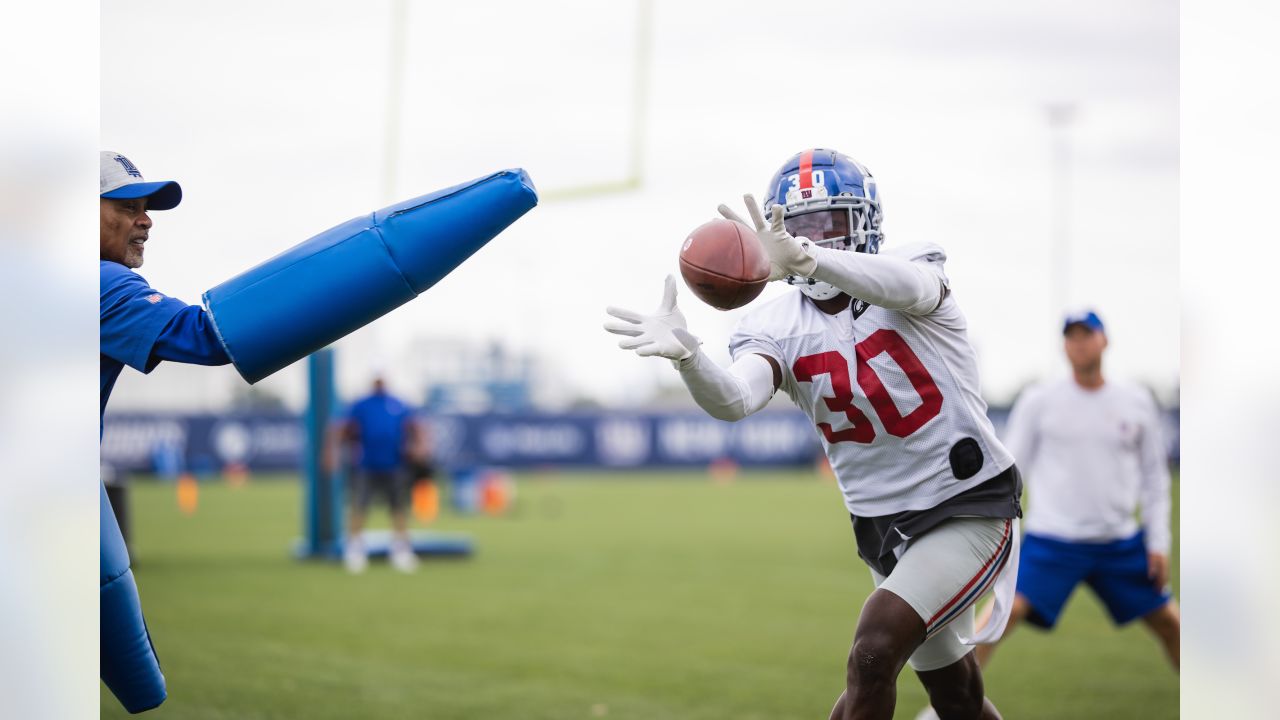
[344, 278]
[267, 318]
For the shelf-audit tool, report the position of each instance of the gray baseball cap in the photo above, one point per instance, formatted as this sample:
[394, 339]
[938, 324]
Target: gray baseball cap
[121, 180]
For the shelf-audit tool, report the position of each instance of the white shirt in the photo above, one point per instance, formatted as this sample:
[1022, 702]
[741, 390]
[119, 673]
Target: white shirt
[1090, 459]
[890, 392]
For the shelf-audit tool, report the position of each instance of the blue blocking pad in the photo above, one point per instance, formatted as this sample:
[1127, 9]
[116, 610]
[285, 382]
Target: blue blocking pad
[129, 666]
[352, 274]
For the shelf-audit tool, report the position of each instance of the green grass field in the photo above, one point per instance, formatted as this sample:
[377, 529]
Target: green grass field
[622, 596]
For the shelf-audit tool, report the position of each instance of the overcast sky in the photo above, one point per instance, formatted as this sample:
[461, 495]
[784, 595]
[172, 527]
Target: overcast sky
[273, 116]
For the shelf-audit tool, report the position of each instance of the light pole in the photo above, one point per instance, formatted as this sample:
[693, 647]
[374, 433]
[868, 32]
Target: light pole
[1060, 116]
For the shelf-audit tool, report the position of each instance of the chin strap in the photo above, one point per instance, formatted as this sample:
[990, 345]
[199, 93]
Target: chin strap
[813, 289]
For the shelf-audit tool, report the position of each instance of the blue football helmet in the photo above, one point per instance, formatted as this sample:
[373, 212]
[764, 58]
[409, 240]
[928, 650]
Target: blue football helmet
[832, 201]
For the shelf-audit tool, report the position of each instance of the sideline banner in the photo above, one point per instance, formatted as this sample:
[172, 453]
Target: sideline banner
[169, 443]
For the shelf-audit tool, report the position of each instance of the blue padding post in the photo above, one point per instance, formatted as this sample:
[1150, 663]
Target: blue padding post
[322, 490]
[130, 668]
[352, 274]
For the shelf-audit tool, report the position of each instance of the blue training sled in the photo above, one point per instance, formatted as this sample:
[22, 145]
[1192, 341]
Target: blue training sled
[377, 544]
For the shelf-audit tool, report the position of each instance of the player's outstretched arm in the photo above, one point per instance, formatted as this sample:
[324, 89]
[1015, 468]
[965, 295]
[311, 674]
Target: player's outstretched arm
[888, 282]
[725, 394]
[190, 338]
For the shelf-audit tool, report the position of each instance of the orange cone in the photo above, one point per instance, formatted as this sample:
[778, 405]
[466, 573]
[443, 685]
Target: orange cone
[188, 493]
[823, 468]
[494, 495]
[236, 474]
[426, 501]
[723, 471]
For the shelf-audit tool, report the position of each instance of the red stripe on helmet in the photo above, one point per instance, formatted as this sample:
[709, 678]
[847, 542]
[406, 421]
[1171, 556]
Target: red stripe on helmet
[806, 169]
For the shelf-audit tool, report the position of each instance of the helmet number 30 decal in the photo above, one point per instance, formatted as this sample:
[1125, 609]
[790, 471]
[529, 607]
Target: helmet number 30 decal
[818, 180]
[833, 364]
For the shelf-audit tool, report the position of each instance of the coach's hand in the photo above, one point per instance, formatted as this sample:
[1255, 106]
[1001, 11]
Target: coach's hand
[1158, 569]
[786, 253]
[663, 333]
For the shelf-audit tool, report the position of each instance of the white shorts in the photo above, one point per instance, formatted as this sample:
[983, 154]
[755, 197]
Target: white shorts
[941, 576]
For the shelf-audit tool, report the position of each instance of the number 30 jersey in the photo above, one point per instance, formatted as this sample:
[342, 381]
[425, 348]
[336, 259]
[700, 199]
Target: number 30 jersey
[895, 397]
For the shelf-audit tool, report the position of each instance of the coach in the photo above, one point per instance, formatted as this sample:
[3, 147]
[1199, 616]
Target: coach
[1095, 461]
[139, 328]
[262, 320]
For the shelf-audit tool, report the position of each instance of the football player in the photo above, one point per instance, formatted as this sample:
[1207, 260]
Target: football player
[873, 348]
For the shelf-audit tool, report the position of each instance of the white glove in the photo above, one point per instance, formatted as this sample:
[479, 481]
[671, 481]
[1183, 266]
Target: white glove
[664, 333]
[786, 253]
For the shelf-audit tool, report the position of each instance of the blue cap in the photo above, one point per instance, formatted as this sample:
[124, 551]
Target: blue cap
[1087, 318]
[119, 179]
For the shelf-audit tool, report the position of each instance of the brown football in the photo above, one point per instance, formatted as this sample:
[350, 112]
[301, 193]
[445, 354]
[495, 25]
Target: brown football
[724, 264]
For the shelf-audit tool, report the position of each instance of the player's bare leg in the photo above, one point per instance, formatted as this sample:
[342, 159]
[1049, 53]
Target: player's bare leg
[355, 522]
[837, 710]
[353, 554]
[956, 691]
[1166, 623]
[402, 555]
[889, 630]
[400, 524]
[1021, 608]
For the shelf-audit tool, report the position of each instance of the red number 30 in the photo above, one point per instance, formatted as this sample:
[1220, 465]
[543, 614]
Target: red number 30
[833, 364]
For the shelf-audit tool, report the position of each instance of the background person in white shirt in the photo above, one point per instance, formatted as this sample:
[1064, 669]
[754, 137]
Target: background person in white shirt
[1093, 455]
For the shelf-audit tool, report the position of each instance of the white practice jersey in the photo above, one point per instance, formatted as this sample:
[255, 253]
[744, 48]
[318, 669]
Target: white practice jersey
[895, 397]
[1091, 458]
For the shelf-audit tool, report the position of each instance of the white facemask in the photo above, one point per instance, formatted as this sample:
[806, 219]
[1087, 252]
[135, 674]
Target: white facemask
[815, 289]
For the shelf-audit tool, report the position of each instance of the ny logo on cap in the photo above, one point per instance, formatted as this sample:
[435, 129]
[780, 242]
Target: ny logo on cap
[128, 166]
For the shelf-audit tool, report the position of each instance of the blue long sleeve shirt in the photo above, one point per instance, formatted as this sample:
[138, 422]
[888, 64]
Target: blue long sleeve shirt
[140, 327]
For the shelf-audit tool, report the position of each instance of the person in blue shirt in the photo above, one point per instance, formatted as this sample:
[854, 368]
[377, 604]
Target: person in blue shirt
[384, 435]
[139, 327]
